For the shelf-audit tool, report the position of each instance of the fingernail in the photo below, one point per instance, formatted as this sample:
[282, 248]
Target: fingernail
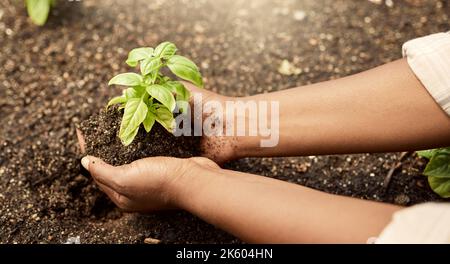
[85, 162]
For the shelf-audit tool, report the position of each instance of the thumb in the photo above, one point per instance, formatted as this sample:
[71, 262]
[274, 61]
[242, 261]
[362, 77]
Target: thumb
[104, 173]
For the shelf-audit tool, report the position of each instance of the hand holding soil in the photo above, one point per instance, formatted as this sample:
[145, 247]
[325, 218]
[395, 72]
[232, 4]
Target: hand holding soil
[144, 185]
[104, 126]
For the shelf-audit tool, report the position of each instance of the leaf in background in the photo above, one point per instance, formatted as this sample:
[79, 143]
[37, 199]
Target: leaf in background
[438, 166]
[165, 118]
[150, 65]
[149, 121]
[126, 79]
[38, 10]
[185, 69]
[139, 54]
[165, 50]
[134, 114]
[117, 100]
[163, 95]
[440, 186]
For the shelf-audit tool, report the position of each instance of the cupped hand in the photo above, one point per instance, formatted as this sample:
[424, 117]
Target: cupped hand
[144, 185]
[147, 184]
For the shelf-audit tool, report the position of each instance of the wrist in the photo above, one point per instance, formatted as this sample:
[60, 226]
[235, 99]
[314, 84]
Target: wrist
[247, 142]
[187, 182]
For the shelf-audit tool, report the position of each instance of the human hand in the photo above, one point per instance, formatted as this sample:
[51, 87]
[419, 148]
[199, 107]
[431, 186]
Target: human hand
[145, 185]
[217, 148]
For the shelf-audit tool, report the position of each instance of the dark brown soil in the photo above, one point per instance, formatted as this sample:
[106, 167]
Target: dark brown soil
[101, 135]
[53, 77]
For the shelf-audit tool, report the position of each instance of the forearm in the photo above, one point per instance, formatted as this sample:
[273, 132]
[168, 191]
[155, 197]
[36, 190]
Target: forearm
[380, 110]
[265, 210]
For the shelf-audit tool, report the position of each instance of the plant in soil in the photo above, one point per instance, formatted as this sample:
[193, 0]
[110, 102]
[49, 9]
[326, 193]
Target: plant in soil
[142, 119]
[38, 10]
[438, 170]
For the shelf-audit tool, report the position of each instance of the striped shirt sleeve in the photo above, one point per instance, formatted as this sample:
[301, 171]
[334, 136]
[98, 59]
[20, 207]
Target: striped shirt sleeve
[429, 59]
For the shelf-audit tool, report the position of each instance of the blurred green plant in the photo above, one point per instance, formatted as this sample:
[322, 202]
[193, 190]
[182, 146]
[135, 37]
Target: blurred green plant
[438, 170]
[38, 10]
[150, 95]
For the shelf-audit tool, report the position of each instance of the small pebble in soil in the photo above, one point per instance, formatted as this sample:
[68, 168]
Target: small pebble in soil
[299, 15]
[150, 240]
[402, 199]
[73, 240]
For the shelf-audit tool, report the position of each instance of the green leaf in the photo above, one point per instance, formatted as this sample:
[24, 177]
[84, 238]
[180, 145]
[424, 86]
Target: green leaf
[117, 100]
[426, 153]
[438, 166]
[165, 118]
[139, 54]
[150, 65]
[126, 79]
[164, 79]
[165, 50]
[182, 94]
[126, 140]
[163, 95]
[185, 69]
[133, 92]
[444, 150]
[440, 186]
[134, 114]
[149, 121]
[38, 10]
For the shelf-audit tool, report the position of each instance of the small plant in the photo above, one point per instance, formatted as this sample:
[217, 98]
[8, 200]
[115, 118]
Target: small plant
[151, 96]
[438, 170]
[38, 10]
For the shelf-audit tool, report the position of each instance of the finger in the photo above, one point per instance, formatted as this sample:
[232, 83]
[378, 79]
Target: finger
[106, 174]
[118, 199]
[113, 195]
[81, 141]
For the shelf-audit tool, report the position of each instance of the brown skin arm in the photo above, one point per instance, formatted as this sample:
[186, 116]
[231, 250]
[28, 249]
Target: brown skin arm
[380, 110]
[384, 109]
[264, 210]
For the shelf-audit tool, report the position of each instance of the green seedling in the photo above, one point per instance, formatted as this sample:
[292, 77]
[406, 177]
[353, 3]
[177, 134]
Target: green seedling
[438, 170]
[152, 97]
[38, 10]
